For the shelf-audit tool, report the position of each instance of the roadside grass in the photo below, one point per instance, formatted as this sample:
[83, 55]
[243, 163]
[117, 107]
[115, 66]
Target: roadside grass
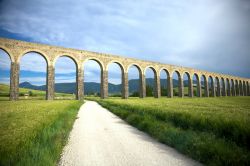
[214, 131]
[33, 132]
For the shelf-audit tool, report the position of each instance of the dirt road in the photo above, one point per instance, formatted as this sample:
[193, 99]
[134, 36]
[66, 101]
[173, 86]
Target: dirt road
[100, 138]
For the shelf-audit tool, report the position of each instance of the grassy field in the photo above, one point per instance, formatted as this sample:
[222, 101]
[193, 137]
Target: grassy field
[214, 131]
[33, 132]
[34, 94]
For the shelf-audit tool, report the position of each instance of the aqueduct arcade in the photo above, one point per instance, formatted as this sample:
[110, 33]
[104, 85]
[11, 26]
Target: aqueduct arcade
[212, 84]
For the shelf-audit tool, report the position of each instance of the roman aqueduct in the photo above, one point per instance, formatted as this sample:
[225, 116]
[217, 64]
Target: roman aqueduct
[226, 85]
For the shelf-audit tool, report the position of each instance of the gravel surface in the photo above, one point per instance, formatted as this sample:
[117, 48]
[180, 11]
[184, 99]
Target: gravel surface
[100, 138]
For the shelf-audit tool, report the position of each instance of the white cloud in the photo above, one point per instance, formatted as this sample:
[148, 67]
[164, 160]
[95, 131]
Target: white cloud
[212, 35]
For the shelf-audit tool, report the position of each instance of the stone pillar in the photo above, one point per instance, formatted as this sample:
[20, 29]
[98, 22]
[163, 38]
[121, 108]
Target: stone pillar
[206, 88]
[181, 87]
[170, 87]
[142, 86]
[14, 81]
[104, 84]
[157, 86]
[199, 94]
[50, 92]
[190, 88]
[213, 89]
[125, 91]
[79, 84]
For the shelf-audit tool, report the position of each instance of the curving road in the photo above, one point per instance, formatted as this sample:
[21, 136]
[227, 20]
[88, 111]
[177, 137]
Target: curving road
[100, 138]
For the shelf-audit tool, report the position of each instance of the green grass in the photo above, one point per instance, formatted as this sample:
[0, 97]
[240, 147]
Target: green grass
[36, 94]
[34, 132]
[214, 131]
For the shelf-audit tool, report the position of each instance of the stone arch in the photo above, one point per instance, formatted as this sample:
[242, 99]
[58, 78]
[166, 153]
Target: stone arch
[68, 56]
[244, 88]
[12, 59]
[180, 82]
[240, 88]
[228, 85]
[136, 65]
[118, 63]
[142, 90]
[190, 83]
[103, 76]
[237, 90]
[121, 74]
[43, 54]
[205, 85]
[7, 72]
[232, 88]
[198, 85]
[37, 53]
[156, 84]
[217, 86]
[248, 89]
[211, 86]
[165, 89]
[223, 87]
[76, 65]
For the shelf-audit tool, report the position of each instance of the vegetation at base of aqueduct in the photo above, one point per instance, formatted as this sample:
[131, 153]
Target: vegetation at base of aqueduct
[214, 131]
[33, 132]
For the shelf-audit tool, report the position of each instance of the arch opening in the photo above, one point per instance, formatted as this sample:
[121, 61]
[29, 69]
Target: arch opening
[150, 76]
[187, 84]
[115, 80]
[92, 78]
[210, 86]
[65, 78]
[196, 85]
[203, 85]
[33, 76]
[134, 81]
[164, 76]
[5, 69]
[176, 80]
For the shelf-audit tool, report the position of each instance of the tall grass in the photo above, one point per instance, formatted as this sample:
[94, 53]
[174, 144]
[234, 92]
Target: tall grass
[34, 132]
[214, 131]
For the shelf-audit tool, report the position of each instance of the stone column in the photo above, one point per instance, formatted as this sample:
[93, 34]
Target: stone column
[206, 88]
[170, 87]
[79, 84]
[142, 86]
[199, 94]
[213, 89]
[50, 92]
[157, 89]
[181, 88]
[14, 81]
[104, 84]
[125, 85]
[190, 88]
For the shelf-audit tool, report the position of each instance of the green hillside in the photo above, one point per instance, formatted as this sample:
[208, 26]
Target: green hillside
[34, 94]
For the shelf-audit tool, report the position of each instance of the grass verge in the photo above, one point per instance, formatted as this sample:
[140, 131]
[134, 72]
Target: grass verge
[34, 132]
[214, 131]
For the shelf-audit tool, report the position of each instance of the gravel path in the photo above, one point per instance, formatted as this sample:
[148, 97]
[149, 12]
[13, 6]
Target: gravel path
[100, 138]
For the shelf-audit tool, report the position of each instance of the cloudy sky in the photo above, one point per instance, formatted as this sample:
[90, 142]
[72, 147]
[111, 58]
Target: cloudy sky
[212, 35]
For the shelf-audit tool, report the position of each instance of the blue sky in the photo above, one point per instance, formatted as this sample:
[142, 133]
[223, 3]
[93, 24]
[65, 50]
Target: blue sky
[209, 34]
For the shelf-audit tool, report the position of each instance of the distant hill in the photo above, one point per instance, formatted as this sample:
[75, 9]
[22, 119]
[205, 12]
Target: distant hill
[93, 87]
